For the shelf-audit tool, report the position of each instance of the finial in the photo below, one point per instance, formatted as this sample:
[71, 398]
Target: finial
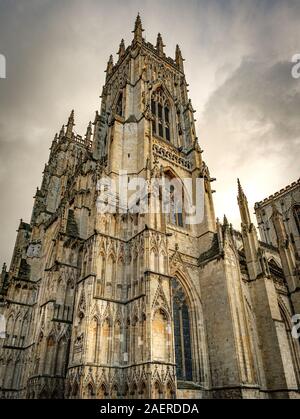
[70, 126]
[178, 58]
[54, 142]
[62, 132]
[160, 45]
[4, 268]
[122, 49]
[110, 66]
[88, 134]
[138, 29]
[275, 211]
[240, 189]
[96, 117]
[225, 221]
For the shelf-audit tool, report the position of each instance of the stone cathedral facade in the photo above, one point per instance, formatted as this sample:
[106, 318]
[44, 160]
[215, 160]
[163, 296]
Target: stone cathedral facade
[144, 305]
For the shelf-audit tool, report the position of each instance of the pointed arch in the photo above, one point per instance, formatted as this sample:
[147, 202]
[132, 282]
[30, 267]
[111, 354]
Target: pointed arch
[143, 390]
[174, 197]
[61, 357]
[69, 293]
[75, 390]
[193, 315]
[93, 336]
[182, 332]
[110, 274]
[134, 391]
[157, 391]
[293, 344]
[161, 110]
[105, 341]
[114, 392]
[161, 335]
[50, 354]
[170, 391]
[90, 391]
[102, 392]
[117, 349]
[24, 328]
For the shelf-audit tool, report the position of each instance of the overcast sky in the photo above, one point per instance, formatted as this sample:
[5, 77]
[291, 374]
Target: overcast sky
[238, 65]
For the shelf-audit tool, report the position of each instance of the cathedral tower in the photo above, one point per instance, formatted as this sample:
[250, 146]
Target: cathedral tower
[123, 285]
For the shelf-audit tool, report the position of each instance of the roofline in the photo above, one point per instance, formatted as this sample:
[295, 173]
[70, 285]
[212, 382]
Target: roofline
[277, 194]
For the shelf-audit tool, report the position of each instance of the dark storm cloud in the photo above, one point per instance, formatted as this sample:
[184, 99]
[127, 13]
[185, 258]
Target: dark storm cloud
[264, 94]
[253, 117]
[56, 53]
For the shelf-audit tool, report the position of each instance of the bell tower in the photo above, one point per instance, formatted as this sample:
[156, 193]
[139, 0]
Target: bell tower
[124, 304]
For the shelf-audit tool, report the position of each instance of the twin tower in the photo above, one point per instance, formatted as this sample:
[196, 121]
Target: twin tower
[143, 304]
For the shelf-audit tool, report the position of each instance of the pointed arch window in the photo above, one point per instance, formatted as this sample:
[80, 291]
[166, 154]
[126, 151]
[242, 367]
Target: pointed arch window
[182, 333]
[160, 109]
[176, 216]
[174, 200]
[296, 212]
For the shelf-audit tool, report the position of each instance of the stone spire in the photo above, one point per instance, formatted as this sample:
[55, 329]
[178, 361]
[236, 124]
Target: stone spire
[70, 126]
[54, 143]
[178, 58]
[225, 221]
[122, 49]
[61, 133]
[110, 66]
[243, 205]
[160, 45]
[4, 268]
[88, 134]
[138, 30]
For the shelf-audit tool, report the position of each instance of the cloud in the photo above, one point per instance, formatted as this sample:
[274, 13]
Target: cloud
[237, 64]
[253, 118]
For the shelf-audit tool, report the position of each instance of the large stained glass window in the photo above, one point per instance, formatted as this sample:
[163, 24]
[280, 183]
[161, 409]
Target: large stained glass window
[182, 333]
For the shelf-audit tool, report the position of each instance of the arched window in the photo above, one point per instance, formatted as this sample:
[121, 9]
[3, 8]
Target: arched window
[161, 115]
[296, 212]
[176, 208]
[61, 358]
[173, 199]
[182, 333]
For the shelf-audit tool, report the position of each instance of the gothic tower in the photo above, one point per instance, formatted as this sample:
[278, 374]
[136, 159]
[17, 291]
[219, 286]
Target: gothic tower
[123, 285]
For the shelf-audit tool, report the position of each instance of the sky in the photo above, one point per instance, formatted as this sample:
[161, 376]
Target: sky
[238, 65]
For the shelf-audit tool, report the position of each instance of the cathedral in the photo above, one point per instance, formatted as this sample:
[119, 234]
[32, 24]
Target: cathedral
[144, 304]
